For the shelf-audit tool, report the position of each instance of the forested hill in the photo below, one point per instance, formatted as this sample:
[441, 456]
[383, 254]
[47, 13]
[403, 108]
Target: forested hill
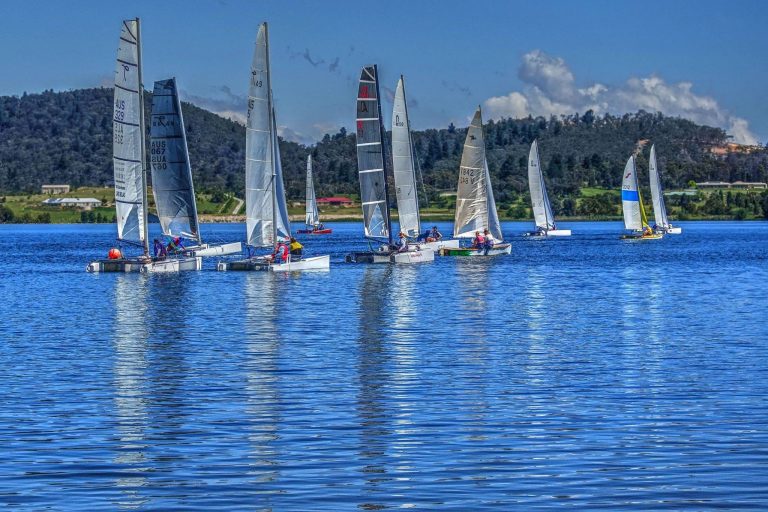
[65, 137]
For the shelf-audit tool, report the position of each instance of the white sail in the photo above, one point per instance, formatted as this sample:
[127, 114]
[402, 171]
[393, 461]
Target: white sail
[657, 193]
[475, 206]
[259, 150]
[171, 171]
[402, 164]
[128, 138]
[312, 216]
[542, 210]
[630, 198]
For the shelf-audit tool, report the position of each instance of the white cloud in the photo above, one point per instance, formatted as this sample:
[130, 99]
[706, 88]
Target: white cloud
[549, 89]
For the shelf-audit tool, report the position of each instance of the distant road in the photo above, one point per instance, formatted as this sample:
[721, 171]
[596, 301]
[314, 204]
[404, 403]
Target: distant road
[239, 205]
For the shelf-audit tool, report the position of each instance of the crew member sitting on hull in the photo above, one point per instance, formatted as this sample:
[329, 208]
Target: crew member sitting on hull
[478, 242]
[434, 235]
[488, 244]
[402, 245]
[159, 249]
[280, 255]
[296, 249]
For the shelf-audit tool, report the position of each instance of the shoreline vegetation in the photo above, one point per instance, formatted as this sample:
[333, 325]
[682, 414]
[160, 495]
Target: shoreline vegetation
[590, 204]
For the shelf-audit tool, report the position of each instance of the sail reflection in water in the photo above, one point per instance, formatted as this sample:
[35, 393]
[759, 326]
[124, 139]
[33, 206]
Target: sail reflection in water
[261, 368]
[130, 383]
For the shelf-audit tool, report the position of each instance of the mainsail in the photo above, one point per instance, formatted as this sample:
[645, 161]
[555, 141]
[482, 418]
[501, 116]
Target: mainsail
[475, 206]
[370, 157]
[542, 210]
[128, 140]
[312, 217]
[171, 170]
[259, 150]
[657, 193]
[402, 165]
[282, 221]
[631, 201]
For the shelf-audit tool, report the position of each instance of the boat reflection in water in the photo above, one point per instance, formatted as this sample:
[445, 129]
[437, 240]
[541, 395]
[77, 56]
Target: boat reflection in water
[130, 386]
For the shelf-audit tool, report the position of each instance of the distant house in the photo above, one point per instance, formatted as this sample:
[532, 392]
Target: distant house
[736, 184]
[335, 201]
[83, 203]
[55, 189]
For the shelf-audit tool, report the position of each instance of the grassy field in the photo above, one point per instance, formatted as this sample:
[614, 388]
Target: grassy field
[28, 208]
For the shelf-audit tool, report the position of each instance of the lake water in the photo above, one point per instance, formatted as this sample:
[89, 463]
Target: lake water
[579, 373]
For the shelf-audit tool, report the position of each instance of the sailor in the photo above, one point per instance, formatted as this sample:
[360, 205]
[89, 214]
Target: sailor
[281, 252]
[478, 242]
[402, 245]
[296, 247]
[434, 235]
[159, 249]
[175, 245]
[488, 244]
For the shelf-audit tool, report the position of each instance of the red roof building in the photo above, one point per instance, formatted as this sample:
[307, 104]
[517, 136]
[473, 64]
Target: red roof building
[335, 201]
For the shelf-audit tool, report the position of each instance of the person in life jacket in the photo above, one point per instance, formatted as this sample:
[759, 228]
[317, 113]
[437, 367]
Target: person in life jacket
[478, 242]
[159, 249]
[281, 252]
[402, 245]
[488, 244]
[296, 248]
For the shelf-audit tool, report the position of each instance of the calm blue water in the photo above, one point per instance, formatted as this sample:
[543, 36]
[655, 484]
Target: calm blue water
[580, 373]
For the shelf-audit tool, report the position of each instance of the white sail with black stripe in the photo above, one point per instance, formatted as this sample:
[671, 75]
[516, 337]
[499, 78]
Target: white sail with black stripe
[403, 166]
[169, 159]
[128, 138]
[312, 217]
[370, 157]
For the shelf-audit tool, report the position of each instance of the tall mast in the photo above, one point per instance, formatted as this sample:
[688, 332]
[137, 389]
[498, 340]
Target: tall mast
[383, 153]
[413, 158]
[272, 140]
[143, 137]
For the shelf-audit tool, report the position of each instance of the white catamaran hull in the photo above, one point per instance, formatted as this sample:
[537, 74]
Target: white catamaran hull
[121, 265]
[173, 265]
[315, 263]
[674, 231]
[436, 246]
[496, 250]
[551, 232]
[214, 250]
[413, 255]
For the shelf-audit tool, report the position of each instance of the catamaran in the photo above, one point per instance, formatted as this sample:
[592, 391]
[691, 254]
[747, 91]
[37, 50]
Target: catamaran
[542, 209]
[632, 205]
[129, 162]
[312, 217]
[657, 195]
[172, 175]
[267, 223]
[475, 207]
[372, 173]
[404, 170]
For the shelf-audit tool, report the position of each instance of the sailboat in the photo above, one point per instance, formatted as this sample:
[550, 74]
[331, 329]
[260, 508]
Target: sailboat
[475, 206]
[129, 162]
[542, 209]
[372, 173]
[632, 205]
[267, 221]
[657, 195]
[172, 174]
[312, 217]
[404, 170]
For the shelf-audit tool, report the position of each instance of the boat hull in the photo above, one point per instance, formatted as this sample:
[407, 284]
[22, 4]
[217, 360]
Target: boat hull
[436, 246]
[314, 232]
[674, 231]
[261, 264]
[551, 232]
[496, 250]
[214, 250]
[654, 236]
[121, 265]
[173, 265]
[411, 256]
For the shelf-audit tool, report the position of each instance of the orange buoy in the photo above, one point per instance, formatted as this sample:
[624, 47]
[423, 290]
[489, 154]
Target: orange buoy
[115, 254]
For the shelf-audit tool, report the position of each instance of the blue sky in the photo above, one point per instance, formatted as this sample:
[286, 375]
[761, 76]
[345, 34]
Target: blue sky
[705, 60]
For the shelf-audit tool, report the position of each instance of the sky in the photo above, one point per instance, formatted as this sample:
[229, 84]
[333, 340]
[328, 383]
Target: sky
[703, 60]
